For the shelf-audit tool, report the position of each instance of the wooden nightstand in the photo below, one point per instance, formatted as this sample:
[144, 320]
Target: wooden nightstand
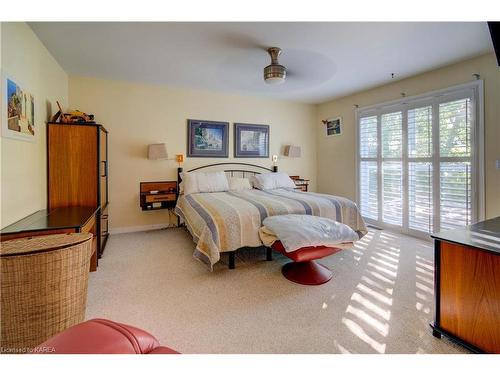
[158, 195]
[300, 183]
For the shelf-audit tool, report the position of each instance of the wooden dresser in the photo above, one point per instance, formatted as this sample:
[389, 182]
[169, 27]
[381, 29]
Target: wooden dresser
[56, 221]
[77, 171]
[467, 286]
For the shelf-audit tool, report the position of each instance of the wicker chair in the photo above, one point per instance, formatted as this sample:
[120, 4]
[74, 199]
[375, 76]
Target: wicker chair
[44, 284]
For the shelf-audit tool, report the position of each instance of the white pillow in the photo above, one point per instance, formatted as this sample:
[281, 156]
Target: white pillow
[204, 182]
[189, 183]
[273, 180]
[239, 183]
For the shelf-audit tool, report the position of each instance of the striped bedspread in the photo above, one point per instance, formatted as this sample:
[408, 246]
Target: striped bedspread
[227, 221]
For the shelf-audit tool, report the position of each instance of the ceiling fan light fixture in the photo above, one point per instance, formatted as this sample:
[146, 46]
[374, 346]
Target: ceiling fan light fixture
[274, 73]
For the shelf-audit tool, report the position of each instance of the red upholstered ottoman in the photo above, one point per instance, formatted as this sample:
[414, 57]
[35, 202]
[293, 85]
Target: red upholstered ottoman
[101, 336]
[304, 270]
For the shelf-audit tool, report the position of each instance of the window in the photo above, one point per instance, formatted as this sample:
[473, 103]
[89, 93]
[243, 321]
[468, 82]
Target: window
[419, 164]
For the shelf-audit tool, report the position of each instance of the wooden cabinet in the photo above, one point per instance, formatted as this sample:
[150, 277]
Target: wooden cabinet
[467, 286]
[77, 170]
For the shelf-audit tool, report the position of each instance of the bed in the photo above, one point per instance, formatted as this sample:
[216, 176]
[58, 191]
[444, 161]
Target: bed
[230, 220]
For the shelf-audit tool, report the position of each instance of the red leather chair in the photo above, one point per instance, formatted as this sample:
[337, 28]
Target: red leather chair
[304, 270]
[101, 336]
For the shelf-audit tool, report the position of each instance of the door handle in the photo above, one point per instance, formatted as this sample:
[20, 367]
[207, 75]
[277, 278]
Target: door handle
[105, 168]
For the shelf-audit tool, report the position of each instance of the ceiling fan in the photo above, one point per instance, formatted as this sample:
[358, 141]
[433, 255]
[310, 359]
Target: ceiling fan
[274, 73]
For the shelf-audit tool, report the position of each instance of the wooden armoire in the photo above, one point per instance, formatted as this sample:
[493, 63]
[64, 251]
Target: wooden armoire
[77, 171]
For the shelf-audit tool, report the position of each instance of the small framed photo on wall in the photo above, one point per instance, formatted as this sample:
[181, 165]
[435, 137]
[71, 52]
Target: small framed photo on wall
[333, 126]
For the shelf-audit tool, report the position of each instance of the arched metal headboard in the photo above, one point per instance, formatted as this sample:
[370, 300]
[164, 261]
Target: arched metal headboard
[257, 169]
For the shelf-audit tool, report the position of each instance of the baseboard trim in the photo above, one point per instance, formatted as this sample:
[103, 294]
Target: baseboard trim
[141, 228]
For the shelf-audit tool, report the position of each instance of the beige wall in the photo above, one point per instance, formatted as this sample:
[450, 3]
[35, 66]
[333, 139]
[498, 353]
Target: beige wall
[139, 114]
[336, 155]
[23, 164]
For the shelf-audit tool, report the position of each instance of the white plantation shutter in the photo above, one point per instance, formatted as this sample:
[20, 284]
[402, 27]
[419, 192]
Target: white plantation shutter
[455, 198]
[455, 167]
[420, 171]
[392, 173]
[368, 136]
[392, 195]
[368, 167]
[392, 135]
[369, 190]
[416, 167]
[420, 132]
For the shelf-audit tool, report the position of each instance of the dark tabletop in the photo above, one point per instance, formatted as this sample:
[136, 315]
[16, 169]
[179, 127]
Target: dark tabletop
[484, 235]
[58, 218]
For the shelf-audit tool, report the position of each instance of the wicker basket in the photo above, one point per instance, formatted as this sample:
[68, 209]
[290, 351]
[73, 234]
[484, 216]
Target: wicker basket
[44, 284]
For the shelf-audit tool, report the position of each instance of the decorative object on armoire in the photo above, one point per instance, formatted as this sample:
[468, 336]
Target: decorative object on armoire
[208, 139]
[333, 126]
[56, 116]
[39, 298]
[292, 151]
[274, 73]
[77, 170]
[18, 110]
[74, 219]
[77, 117]
[158, 195]
[251, 141]
[157, 151]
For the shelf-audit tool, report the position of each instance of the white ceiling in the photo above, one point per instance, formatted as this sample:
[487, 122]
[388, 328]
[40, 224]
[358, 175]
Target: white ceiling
[324, 60]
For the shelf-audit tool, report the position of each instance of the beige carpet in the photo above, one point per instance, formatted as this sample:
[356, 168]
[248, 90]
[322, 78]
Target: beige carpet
[380, 299]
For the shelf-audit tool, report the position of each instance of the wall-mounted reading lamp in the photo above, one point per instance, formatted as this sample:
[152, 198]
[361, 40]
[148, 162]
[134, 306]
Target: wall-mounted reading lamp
[292, 151]
[158, 151]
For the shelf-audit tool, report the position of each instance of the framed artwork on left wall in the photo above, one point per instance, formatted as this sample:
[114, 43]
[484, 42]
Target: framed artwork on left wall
[18, 110]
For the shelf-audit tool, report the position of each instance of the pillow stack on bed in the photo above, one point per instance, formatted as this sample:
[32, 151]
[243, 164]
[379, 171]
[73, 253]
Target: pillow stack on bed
[204, 182]
[211, 182]
[274, 180]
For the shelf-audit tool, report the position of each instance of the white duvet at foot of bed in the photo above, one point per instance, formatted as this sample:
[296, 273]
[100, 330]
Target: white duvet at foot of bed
[297, 231]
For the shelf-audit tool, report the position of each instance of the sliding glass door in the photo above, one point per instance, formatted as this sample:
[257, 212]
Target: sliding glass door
[418, 164]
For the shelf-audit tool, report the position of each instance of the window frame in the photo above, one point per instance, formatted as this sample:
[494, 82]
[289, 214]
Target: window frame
[475, 90]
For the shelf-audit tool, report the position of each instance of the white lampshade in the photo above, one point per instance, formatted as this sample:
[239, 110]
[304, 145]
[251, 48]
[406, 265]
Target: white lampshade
[157, 151]
[293, 151]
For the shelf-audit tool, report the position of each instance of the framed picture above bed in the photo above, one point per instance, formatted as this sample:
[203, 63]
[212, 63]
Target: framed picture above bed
[251, 141]
[208, 139]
